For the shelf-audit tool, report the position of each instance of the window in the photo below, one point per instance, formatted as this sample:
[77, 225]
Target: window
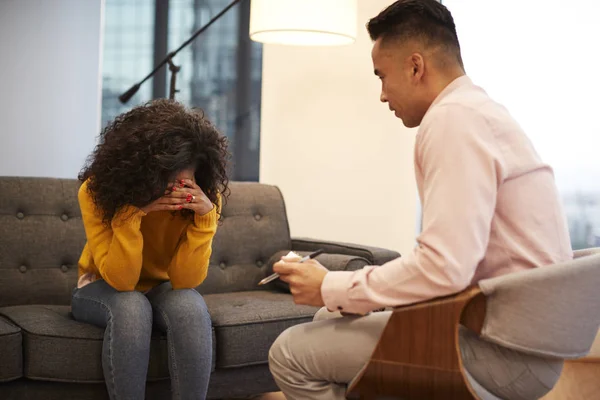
[127, 53]
[220, 72]
[538, 60]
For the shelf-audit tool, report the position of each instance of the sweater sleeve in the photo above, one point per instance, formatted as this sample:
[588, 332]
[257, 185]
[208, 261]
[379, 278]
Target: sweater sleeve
[189, 266]
[116, 249]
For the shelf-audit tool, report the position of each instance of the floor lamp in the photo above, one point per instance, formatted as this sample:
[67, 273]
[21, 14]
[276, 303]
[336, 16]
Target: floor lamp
[287, 22]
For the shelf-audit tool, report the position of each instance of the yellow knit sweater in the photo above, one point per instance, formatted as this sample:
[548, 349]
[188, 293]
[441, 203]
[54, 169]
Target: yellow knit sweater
[139, 251]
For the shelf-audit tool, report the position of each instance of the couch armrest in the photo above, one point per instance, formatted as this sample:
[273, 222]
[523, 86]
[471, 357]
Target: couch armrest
[333, 262]
[374, 255]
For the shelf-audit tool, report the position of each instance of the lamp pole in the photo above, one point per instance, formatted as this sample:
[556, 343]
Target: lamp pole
[174, 69]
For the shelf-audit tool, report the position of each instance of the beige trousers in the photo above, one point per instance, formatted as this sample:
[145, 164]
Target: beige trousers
[316, 361]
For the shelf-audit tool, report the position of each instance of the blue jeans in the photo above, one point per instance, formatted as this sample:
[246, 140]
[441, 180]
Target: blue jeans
[128, 318]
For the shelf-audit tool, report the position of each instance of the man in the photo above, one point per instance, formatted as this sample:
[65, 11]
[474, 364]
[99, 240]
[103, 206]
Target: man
[490, 207]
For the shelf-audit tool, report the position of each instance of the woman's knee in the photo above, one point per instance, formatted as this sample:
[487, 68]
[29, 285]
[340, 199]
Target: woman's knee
[132, 307]
[98, 303]
[183, 304]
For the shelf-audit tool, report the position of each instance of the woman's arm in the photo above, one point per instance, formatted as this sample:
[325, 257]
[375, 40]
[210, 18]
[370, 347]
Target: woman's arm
[189, 266]
[116, 250]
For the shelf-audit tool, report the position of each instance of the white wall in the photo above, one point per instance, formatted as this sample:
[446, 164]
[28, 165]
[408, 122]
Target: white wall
[342, 160]
[525, 69]
[544, 69]
[49, 85]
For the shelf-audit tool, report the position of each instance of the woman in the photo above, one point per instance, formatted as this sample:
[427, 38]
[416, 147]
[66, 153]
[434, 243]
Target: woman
[150, 201]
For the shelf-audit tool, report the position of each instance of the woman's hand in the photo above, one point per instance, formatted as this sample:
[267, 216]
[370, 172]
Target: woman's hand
[164, 203]
[190, 196]
[180, 195]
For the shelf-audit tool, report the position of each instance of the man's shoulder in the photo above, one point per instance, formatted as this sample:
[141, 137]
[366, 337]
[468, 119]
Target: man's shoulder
[464, 118]
[469, 99]
[469, 105]
[449, 114]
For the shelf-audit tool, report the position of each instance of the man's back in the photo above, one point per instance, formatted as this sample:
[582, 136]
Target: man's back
[490, 207]
[528, 227]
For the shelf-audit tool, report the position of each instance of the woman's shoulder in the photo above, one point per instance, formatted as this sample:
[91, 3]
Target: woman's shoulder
[83, 193]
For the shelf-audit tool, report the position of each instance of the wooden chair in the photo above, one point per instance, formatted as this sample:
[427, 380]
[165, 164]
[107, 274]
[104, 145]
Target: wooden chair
[550, 312]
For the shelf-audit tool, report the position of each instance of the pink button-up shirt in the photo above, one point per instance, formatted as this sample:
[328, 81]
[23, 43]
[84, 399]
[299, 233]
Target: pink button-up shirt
[490, 207]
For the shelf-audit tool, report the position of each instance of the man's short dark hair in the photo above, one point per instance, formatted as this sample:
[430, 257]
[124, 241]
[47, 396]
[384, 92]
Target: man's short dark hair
[426, 20]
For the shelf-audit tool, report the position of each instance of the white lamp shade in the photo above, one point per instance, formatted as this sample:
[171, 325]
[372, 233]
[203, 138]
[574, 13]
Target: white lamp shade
[303, 22]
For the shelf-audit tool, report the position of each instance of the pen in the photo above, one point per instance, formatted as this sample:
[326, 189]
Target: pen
[276, 275]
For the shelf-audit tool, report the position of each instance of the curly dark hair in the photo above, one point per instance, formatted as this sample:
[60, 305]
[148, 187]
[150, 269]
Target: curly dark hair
[142, 150]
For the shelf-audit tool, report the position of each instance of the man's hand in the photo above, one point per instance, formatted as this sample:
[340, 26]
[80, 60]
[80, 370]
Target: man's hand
[305, 280]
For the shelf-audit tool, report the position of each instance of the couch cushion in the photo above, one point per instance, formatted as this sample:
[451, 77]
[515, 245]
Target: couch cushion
[56, 347]
[247, 323]
[11, 364]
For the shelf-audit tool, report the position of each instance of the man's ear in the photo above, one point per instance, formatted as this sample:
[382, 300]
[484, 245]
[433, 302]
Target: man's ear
[418, 65]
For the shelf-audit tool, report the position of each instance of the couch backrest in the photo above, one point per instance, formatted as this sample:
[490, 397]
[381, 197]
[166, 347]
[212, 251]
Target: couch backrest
[42, 235]
[253, 228]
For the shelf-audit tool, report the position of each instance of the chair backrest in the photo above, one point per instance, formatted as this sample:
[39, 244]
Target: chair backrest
[42, 235]
[550, 311]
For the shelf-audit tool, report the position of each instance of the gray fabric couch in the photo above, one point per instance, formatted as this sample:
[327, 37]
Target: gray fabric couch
[45, 354]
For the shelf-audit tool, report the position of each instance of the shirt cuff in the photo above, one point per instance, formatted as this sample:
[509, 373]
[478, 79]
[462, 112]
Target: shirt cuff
[334, 290]
[206, 221]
